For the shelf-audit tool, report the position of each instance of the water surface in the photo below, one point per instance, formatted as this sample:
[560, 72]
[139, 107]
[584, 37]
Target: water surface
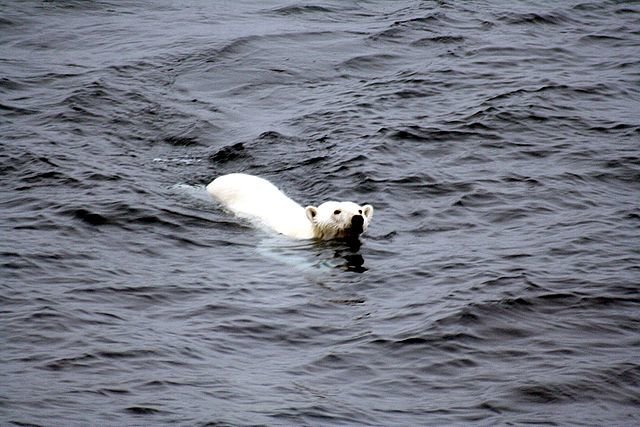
[499, 279]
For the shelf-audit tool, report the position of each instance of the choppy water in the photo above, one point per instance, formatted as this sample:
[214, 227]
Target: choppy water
[498, 284]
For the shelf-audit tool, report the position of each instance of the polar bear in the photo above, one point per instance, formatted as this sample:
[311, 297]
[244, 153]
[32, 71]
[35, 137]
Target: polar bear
[260, 201]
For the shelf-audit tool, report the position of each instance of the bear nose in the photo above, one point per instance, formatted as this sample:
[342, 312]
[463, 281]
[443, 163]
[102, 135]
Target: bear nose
[356, 223]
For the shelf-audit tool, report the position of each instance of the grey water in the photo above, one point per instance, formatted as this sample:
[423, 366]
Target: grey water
[498, 283]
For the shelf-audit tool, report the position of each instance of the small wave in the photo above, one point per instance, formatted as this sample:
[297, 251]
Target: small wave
[75, 5]
[389, 35]
[145, 294]
[72, 363]
[532, 18]
[421, 21]
[615, 383]
[181, 140]
[419, 133]
[602, 38]
[369, 62]
[119, 214]
[6, 23]
[144, 410]
[303, 10]
[7, 84]
[230, 153]
[90, 218]
[435, 40]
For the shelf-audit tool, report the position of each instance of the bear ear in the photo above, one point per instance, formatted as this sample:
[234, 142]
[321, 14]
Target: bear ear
[367, 210]
[311, 212]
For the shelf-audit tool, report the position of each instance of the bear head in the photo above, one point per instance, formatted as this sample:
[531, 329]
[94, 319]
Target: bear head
[333, 220]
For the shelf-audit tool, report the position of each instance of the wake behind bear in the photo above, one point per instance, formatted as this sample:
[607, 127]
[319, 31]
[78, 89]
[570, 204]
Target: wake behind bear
[258, 200]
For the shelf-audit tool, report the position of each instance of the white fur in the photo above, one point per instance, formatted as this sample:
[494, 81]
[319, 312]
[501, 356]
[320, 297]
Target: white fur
[259, 200]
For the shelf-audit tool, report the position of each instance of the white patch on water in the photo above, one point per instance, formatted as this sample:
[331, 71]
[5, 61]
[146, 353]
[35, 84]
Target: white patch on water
[300, 255]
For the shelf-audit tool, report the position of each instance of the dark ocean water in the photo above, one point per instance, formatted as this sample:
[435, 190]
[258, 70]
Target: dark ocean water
[499, 282]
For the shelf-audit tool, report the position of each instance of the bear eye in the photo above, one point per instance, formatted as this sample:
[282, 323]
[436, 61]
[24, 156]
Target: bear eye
[360, 211]
[336, 212]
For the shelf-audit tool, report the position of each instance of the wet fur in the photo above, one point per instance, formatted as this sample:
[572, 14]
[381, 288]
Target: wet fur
[260, 201]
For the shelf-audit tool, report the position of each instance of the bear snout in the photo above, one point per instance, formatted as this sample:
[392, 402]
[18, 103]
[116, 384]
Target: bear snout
[357, 223]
